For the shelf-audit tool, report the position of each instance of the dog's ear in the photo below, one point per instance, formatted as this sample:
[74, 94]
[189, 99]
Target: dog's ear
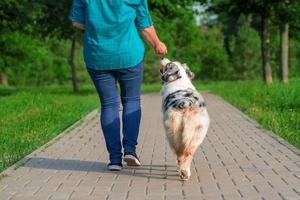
[161, 69]
[189, 73]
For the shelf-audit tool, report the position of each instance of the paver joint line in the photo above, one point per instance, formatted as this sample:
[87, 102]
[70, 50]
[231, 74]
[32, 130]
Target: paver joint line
[237, 160]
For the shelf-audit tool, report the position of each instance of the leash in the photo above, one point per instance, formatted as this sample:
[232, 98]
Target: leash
[160, 56]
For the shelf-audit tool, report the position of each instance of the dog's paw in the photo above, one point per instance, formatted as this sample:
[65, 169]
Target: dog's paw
[184, 175]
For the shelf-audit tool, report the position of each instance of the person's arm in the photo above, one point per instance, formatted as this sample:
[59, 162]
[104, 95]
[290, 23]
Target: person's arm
[144, 24]
[78, 25]
[151, 36]
[77, 14]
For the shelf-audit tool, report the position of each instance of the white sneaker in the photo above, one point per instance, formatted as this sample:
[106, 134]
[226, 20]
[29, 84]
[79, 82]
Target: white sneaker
[131, 160]
[114, 167]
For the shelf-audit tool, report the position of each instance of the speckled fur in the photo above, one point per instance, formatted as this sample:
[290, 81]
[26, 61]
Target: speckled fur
[185, 126]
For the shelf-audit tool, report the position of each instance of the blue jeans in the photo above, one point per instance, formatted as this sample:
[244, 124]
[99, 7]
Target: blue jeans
[130, 80]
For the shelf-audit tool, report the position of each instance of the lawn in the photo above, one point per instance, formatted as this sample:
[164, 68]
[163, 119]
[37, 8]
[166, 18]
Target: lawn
[276, 107]
[30, 117]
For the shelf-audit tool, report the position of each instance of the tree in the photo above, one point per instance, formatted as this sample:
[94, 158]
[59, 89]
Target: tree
[175, 25]
[261, 8]
[55, 23]
[244, 46]
[286, 12]
[170, 8]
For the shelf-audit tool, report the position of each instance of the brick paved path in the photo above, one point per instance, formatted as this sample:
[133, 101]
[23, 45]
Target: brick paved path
[237, 160]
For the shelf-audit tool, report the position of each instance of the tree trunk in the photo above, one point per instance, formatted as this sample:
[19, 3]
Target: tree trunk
[3, 76]
[227, 46]
[284, 57]
[4, 80]
[265, 47]
[72, 64]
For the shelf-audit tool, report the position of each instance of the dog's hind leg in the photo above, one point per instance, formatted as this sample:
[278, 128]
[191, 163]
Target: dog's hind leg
[185, 167]
[173, 125]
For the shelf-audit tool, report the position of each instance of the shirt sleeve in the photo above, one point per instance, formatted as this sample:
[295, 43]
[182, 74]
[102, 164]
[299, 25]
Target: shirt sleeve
[143, 18]
[77, 13]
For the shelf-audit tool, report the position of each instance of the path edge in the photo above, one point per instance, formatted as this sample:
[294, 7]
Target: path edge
[270, 133]
[67, 130]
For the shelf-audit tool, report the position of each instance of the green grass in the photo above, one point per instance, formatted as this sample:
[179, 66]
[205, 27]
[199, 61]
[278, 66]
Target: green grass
[30, 117]
[149, 88]
[276, 107]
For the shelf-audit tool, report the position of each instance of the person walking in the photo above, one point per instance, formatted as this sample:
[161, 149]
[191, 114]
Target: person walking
[114, 53]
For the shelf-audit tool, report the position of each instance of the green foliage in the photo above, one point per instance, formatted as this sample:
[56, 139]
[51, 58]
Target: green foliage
[188, 42]
[275, 51]
[287, 11]
[279, 11]
[202, 51]
[176, 27]
[29, 60]
[151, 66]
[228, 49]
[55, 21]
[169, 9]
[246, 54]
[214, 59]
[19, 15]
[294, 58]
[23, 56]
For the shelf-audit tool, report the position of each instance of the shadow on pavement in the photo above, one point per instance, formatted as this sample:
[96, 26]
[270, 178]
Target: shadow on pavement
[146, 171]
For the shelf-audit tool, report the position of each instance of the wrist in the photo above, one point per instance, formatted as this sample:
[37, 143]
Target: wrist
[156, 43]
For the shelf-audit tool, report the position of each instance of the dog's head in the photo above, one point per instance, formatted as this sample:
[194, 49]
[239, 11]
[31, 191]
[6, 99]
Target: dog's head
[172, 71]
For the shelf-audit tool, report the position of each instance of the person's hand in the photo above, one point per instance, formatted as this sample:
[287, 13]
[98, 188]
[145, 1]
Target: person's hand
[160, 48]
[78, 25]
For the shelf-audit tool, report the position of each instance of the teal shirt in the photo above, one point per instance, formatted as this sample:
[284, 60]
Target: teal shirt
[111, 39]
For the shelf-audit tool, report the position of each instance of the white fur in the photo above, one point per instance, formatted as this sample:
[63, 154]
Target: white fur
[185, 128]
